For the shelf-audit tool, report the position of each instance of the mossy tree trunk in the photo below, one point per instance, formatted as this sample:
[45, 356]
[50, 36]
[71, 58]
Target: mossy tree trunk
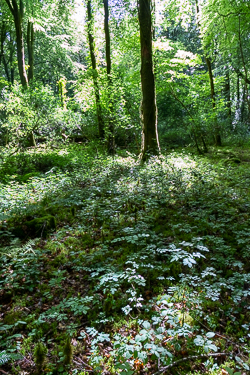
[94, 70]
[150, 142]
[212, 90]
[17, 12]
[111, 139]
[30, 45]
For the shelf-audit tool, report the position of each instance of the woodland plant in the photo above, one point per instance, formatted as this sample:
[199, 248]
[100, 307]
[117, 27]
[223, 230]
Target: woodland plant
[40, 352]
[137, 277]
[111, 265]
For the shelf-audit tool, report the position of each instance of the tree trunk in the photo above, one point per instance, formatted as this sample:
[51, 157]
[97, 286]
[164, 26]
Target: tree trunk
[94, 70]
[30, 45]
[12, 66]
[227, 95]
[111, 139]
[150, 142]
[17, 13]
[107, 36]
[18, 20]
[242, 107]
[238, 92]
[32, 141]
[211, 80]
[245, 69]
[2, 54]
[3, 36]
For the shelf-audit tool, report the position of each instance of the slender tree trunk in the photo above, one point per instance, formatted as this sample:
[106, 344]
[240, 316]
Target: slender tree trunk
[17, 13]
[3, 36]
[11, 61]
[32, 141]
[111, 139]
[227, 95]
[8, 76]
[107, 36]
[153, 21]
[246, 96]
[242, 107]
[238, 92]
[211, 80]
[30, 45]
[150, 142]
[2, 54]
[94, 70]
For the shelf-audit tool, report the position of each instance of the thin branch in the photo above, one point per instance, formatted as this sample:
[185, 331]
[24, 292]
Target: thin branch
[188, 359]
[242, 76]
[183, 105]
[10, 6]
[231, 14]
[4, 372]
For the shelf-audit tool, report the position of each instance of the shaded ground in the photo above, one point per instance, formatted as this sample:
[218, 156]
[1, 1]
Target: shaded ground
[148, 265]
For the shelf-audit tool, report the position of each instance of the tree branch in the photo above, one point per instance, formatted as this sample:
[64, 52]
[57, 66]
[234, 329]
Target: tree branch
[231, 14]
[10, 6]
[242, 76]
[188, 359]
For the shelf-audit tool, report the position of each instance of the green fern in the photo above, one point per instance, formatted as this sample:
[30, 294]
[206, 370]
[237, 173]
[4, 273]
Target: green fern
[4, 357]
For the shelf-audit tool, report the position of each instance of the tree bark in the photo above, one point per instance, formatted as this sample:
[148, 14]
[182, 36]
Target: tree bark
[30, 45]
[94, 70]
[12, 66]
[211, 80]
[227, 95]
[246, 96]
[150, 142]
[32, 141]
[2, 54]
[111, 139]
[107, 36]
[242, 106]
[17, 13]
[3, 36]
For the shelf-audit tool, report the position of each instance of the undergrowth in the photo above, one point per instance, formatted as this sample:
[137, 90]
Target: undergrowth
[145, 271]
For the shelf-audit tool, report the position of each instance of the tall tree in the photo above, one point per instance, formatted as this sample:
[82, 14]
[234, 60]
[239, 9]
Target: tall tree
[94, 69]
[17, 12]
[111, 140]
[30, 45]
[150, 142]
[212, 90]
[217, 135]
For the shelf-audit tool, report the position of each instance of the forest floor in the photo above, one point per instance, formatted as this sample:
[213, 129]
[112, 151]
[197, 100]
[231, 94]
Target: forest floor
[113, 267]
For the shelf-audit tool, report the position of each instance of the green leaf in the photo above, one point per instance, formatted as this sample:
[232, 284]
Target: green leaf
[245, 365]
[210, 334]
[146, 325]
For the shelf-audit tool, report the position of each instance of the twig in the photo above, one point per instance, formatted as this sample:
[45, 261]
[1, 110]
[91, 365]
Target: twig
[188, 359]
[83, 363]
[3, 372]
